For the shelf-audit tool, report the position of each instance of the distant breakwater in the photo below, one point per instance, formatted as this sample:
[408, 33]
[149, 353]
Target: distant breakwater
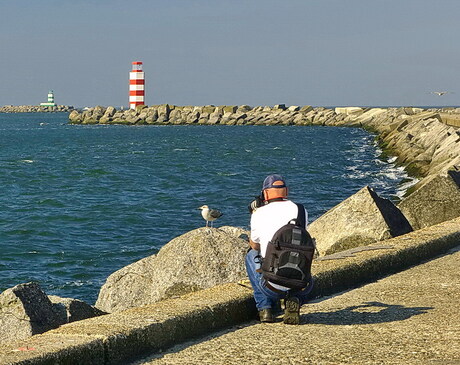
[426, 141]
[36, 109]
[241, 115]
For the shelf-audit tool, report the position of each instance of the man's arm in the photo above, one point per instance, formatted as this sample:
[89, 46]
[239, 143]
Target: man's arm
[254, 245]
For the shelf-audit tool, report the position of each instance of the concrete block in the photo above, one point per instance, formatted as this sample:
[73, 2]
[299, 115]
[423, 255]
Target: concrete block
[361, 219]
[436, 200]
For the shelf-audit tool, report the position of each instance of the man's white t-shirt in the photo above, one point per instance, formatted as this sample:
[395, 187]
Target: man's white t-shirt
[266, 220]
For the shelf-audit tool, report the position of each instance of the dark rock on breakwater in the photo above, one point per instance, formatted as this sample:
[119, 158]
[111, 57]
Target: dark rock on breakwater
[36, 109]
[26, 310]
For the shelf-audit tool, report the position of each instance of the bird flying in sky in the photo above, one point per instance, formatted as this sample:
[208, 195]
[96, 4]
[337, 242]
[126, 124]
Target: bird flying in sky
[441, 93]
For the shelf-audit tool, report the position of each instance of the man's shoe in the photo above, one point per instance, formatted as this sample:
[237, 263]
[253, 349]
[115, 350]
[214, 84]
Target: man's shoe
[266, 315]
[292, 311]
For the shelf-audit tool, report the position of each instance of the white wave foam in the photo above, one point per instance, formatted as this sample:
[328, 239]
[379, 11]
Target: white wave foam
[401, 190]
[392, 175]
[227, 173]
[77, 283]
[392, 159]
[358, 175]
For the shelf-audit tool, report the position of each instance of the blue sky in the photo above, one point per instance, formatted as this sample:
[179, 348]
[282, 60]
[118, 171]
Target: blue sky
[256, 52]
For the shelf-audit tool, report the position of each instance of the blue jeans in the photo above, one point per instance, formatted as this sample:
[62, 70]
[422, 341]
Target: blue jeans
[264, 297]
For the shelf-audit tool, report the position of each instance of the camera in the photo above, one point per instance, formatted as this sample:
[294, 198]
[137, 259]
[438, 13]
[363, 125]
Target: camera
[256, 203]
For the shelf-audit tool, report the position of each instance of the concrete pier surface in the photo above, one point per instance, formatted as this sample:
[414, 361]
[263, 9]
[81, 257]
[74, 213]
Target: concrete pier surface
[407, 318]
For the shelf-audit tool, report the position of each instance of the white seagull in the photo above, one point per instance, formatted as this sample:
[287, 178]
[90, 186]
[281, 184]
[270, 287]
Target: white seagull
[441, 93]
[209, 215]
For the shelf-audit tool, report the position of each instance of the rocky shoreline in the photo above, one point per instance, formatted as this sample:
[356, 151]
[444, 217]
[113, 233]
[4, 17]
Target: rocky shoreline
[245, 115]
[36, 109]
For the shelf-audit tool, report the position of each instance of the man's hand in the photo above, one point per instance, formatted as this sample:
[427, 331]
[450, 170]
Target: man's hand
[254, 245]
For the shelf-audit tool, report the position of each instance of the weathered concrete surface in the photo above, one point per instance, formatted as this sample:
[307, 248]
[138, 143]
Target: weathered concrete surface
[361, 219]
[196, 260]
[124, 335]
[407, 318]
[114, 338]
[437, 200]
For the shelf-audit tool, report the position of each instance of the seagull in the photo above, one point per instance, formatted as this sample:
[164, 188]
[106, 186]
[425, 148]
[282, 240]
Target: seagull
[441, 93]
[209, 215]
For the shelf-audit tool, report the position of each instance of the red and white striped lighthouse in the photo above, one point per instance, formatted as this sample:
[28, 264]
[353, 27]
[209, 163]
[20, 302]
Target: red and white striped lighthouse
[136, 86]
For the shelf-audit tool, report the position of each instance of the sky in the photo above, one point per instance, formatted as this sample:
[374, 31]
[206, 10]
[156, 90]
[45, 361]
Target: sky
[231, 52]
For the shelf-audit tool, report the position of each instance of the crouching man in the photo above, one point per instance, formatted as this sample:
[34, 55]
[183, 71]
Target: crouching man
[271, 261]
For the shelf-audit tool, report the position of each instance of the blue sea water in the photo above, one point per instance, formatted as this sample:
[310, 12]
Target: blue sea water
[79, 202]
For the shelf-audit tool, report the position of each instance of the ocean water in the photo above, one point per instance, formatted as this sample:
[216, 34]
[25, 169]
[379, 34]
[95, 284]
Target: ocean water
[80, 202]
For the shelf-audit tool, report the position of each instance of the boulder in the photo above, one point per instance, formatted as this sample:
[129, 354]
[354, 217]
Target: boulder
[162, 118]
[349, 110]
[230, 109]
[215, 117]
[71, 310]
[98, 112]
[243, 109]
[175, 116]
[204, 118]
[294, 108]
[359, 220]
[436, 200]
[306, 109]
[193, 117]
[209, 109]
[163, 111]
[199, 259]
[75, 117]
[370, 114]
[108, 115]
[110, 111]
[25, 310]
[139, 108]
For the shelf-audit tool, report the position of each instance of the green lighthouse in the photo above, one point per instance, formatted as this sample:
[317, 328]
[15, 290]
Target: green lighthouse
[50, 101]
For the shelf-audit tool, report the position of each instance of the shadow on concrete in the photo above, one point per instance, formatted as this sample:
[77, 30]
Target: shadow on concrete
[367, 313]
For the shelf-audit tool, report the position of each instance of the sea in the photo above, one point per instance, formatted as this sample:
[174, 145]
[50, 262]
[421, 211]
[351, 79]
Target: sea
[79, 202]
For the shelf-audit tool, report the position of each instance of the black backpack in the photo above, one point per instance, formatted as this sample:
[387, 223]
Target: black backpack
[289, 255]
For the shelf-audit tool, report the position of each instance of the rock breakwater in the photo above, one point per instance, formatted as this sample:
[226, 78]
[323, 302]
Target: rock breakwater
[36, 109]
[244, 114]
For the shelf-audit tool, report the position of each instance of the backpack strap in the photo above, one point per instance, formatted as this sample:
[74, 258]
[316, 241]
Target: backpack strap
[300, 222]
[301, 219]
